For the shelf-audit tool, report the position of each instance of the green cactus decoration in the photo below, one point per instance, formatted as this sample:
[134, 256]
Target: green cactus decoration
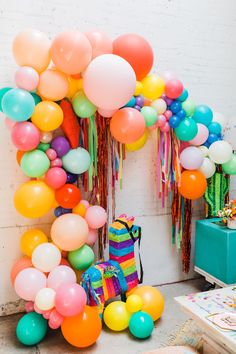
[217, 189]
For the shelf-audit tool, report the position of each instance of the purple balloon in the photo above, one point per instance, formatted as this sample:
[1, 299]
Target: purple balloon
[71, 177]
[139, 100]
[61, 145]
[137, 107]
[169, 101]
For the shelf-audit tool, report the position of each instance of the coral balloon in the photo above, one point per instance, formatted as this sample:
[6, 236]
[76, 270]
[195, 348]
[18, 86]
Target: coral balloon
[127, 125]
[32, 48]
[116, 316]
[60, 275]
[28, 282]
[84, 329]
[174, 88]
[19, 265]
[25, 136]
[137, 51]
[26, 78]
[47, 116]
[96, 217]
[70, 299]
[68, 196]
[55, 319]
[30, 240]
[53, 85]
[109, 82]
[34, 199]
[193, 184]
[71, 52]
[100, 42]
[69, 232]
[46, 256]
[138, 144]
[56, 177]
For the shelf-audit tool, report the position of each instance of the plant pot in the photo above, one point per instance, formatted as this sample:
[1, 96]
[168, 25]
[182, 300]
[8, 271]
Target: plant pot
[231, 224]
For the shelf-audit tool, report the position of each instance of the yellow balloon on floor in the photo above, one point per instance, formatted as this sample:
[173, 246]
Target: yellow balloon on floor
[30, 240]
[34, 199]
[116, 316]
[134, 303]
[138, 144]
[153, 301]
[153, 86]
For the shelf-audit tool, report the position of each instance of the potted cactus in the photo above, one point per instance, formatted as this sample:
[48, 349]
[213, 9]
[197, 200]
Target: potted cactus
[228, 214]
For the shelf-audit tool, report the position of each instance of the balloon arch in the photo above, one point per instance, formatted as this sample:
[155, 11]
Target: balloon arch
[81, 102]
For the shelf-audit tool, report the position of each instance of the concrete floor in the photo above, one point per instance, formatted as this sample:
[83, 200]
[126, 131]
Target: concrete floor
[109, 342]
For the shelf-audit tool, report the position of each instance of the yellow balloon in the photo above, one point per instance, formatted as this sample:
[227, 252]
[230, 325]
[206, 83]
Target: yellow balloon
[47, 116]
[138, 144]
[134, 303]
[34, 199]
[80, 84]
[153, 86]
[138, 89]
[79, 209]
[30, 240]
[116, 316]
[73, 87]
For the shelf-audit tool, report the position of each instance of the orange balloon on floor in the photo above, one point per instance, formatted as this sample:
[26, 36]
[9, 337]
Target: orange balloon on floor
[84, 329]
[193, 184]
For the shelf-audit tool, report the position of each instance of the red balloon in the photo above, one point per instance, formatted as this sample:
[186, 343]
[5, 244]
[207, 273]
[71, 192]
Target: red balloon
[136, 51]
[68, 196]
[174, 88]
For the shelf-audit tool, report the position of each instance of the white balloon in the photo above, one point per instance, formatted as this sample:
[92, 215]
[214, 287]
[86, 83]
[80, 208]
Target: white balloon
[45, 299]
[208, 167]
[46, 137]
[219, 118]
[220, 151]
[204, 150]
[159, 105]
[46, 256]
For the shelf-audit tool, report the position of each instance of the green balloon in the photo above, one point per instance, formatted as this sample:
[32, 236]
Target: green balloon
[189, 107]
[82, 106]
[82, 258]
[76, 161]
[31, 328]
[229, 167]
[35, 163]
[2, 93]
[150, 115]
[43, 147]
[141, 325]
[187, 129]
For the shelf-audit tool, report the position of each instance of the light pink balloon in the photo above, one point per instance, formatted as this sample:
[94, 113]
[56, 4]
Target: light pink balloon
[56, 177]
[29, 306]
[107, 113]
[92, 237]
[109, 81]
[27, 78]
[60, 275]
[85, 203]
[25, 136]
[96, 217]
[167, 75]
[55, 319]
[161, 121]
[46, 314]
[202, 135]
[36, 309]
[28, 282]
[100, 42]
[70, 299]
[9, 123]
[191, 158]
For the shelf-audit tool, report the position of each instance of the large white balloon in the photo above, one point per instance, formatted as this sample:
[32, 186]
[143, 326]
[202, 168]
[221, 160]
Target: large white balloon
[220, 151]
[208, 167]
[45, 299]
[46, 256]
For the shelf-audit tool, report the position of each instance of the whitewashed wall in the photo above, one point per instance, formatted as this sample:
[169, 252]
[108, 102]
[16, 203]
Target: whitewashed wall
[196, 39]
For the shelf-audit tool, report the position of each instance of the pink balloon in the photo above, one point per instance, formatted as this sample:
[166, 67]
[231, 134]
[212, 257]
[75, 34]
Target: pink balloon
[165, 128]
[109, 81]
[174, 88]
[85, 203]
[161, 121]
[46, 314]
[29, 306]
[55, 319]
[27, 78]
[28, 282]
[96, 217]
[60, 275]
[202, 135]
[56, 163]
[36, 309]
[168, 114]
[191, 158]
[100, 42]
[25, 136]
[92, 237]
[167, 76]
[9, 123]
[107, 113]
[56, 177]
[70, 299]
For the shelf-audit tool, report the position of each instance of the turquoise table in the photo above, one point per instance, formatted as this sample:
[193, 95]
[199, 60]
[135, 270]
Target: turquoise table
[215, 252]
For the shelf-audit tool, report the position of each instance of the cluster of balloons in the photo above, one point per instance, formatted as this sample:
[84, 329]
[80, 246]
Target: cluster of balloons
[144, 305]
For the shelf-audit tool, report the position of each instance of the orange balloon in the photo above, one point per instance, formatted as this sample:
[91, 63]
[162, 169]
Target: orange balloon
[84, 329]
[80, 209]
[53, 85]
[193, 184]
[136, 51]
[127, 125]
[19, 155]
[19, 265]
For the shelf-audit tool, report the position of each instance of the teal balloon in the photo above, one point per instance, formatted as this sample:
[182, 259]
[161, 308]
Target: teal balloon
[187, 129]
[81, 258]
[36, 98]
[141, 325]
[2, 93]
[183, 97]
[82, 106]
[31, 329]
[18, 104]
[229, 167]
[214, 128]
[43, 147]
[76, 161]
[131, 102]
[150, 115]
[189, 107]
[35, 163]
[203, 114]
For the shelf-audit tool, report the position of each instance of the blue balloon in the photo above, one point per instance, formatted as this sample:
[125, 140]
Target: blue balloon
[212, 138]
[36, 98]
[174, 121]
[76, 161]
[206, 144]
[141, 325]
[18, 104]
[181, 114]
[61, 211]
[131, 102]
[203, 114]
[2, 93]
[71, 177]
[215, 128]
[183, 96]
[175, 107]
